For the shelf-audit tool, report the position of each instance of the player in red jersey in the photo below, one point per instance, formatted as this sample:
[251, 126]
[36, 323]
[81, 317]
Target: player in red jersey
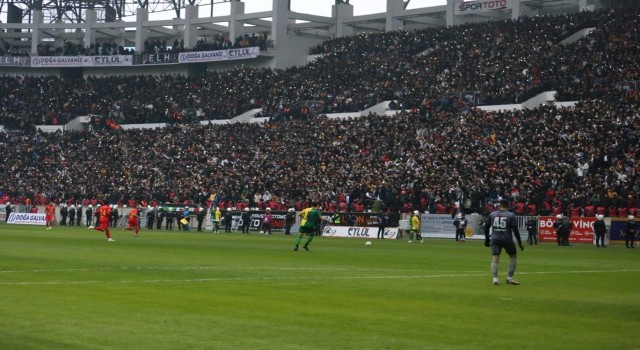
[103, 213]
[134, 221]
[49, 215]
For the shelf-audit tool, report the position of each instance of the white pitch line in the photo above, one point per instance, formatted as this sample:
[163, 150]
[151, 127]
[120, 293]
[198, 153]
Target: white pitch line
[253, 268]
[296, 278]
[59, 270]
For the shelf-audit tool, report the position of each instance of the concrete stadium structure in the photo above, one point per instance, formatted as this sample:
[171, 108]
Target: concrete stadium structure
[290, 34]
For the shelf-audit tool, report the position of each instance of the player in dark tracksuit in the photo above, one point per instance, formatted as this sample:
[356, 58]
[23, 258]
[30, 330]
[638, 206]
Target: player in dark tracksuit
[563, 230]
[228, 219]
[461, 226]
[170, 215]
[499, 229]
[630, 230]
[532, 230]
[72, 215]
[246, 220]
[600, 229]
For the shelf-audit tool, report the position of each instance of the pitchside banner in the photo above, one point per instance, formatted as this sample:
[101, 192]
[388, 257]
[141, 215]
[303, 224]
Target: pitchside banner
[581, 229]
[26, 219]
[15, 61]
[367, 220]
[81, 61]
[358, 232]
[197, 56]
[111, 61]
[155, 58]
[60, 61]
[616, 229]
[363, 220]
[128, 60]
[219, 55]
[467, 7]
[277, 222]
[441, 226]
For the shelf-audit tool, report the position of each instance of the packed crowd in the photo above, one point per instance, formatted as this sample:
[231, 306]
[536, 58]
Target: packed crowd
[548, 156]
[500, 62]
[444, 151]
[494, 63]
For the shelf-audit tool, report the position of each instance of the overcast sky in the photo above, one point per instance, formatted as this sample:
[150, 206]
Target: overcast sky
[323, 7]
[318, 7]
[314, 7]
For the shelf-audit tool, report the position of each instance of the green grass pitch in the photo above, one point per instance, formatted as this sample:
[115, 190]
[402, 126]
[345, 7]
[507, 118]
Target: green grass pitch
[68, 288]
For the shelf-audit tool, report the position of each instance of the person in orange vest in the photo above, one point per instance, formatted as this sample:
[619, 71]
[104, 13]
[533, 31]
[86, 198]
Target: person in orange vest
[49, 215]
[134, 221]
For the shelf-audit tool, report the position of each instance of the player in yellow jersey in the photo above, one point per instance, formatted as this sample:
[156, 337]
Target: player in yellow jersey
[216, 216]
[304, 214]
[310, 217]
[414, 228]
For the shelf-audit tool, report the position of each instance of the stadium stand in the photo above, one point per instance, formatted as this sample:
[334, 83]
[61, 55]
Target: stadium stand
[512, 61]
[438, 150]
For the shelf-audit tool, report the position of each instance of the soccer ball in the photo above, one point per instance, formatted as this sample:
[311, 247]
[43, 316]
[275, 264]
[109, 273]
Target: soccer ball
[368, 243]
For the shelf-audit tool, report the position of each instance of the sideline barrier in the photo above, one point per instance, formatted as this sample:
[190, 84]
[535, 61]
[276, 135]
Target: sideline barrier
[358, 232]
[441, 226]
[581, 229]
[26, 219]
[432, 225]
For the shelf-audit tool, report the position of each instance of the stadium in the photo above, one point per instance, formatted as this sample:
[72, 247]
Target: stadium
[441, 110]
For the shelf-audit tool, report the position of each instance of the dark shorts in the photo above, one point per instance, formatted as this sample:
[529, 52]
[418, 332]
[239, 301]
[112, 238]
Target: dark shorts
[307, 230]
[509, 247]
